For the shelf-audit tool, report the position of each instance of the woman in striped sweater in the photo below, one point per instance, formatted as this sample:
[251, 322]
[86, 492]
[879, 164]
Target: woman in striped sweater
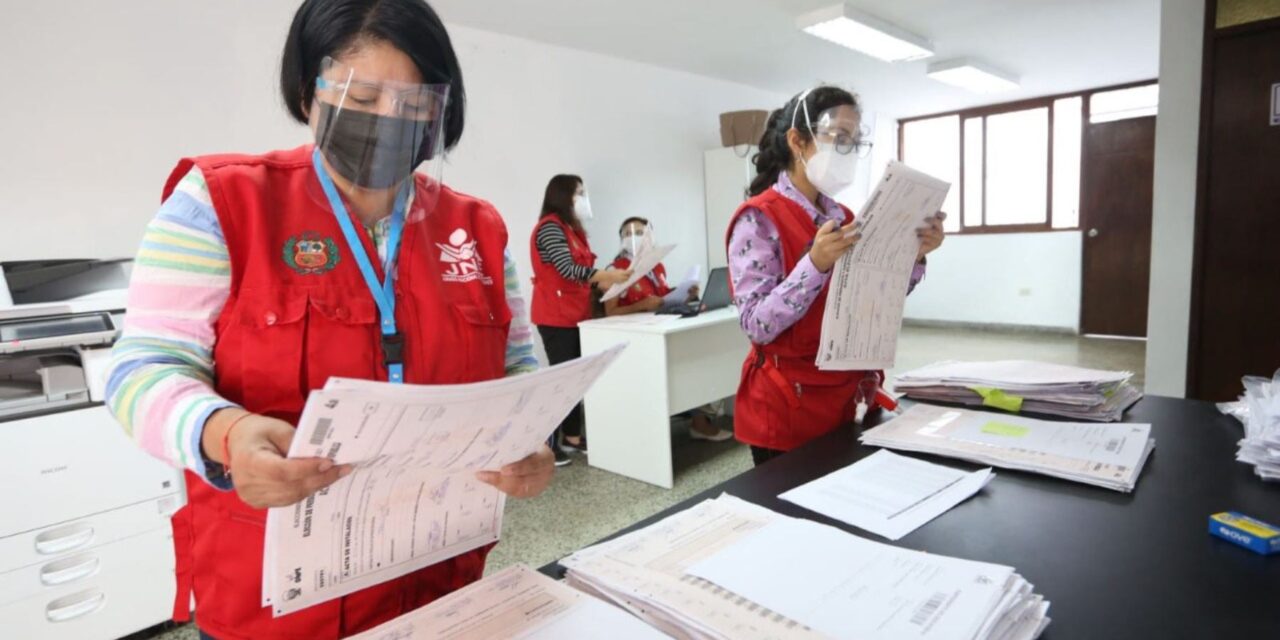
[563, 274]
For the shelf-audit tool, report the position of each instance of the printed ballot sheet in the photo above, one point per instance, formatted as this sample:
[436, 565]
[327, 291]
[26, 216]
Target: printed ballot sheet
[874, 591]
[888, 494]
[869, 282]
[516, 603]
[412, 499]
[639, 269]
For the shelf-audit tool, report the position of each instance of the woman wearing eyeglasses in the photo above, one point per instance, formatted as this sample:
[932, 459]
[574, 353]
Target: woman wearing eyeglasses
[782, 245]
[263, 276]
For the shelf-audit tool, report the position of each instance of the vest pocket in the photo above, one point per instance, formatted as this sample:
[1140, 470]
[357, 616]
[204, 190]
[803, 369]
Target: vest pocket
[271, 351]
[486, 328]
[342, 336]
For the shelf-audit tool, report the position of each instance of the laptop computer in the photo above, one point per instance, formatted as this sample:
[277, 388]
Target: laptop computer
[715, 296]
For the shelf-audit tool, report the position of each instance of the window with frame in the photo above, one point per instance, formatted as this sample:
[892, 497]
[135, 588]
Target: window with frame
[1016, 167]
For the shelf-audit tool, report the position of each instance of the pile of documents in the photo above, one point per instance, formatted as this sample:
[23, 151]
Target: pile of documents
[412, 499]
[1259, 411]
[1023, 385]
[516, 603]
[730, 569]
[1104, 455]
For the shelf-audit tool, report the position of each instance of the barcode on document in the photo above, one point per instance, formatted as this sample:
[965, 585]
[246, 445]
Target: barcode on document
[322, 430]
[1113, 445]
[929, 608]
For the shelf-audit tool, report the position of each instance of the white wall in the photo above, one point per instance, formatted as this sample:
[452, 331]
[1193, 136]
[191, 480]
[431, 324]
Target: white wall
[635, 133]
[105, 97]
[1174, 202]
[1030, 279]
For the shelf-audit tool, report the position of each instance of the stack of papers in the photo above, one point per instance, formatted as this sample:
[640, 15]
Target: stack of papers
[1104, 455]
[412, 499]
[729, 569]
[516, 603]
[1259, 411]
[1023, 385]
[888, 494]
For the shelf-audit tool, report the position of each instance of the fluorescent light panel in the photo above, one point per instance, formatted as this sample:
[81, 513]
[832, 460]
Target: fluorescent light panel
[848, 27]
[972, 75]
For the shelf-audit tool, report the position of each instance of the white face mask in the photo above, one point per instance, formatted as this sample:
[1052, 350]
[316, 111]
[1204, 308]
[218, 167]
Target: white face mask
[582, 207]
[829, 170]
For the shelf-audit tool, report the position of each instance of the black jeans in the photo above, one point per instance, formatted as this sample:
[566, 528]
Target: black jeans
[761, 455]
[562, 345]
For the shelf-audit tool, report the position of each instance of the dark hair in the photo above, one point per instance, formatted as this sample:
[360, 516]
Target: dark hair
[774, 156]
[623, 226]
[330, 27]
[559, 199]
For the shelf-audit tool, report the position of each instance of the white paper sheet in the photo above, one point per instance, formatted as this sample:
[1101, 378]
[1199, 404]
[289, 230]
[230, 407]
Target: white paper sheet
[847, 587]
[869, 283]
[639, 269]
[888, 494]
[680, 294]
[516, 603]
[412, 499]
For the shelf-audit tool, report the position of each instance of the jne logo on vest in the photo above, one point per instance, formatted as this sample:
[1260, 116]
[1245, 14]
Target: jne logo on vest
[465, 264]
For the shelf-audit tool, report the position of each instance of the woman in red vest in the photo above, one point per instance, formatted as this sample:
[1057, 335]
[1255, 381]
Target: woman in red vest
[648, 292]
[782, 244]
[563, 274]
[286, 269]
[647, 295]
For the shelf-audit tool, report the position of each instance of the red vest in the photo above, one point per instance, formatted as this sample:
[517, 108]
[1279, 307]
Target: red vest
[299, 312]
[558, 301]
[783, 399]
[653, 284]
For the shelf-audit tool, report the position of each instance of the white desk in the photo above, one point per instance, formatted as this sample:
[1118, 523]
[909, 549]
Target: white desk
[672, 365]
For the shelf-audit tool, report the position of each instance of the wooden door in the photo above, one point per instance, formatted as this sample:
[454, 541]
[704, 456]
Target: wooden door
[1116, 186]
[1236, 300]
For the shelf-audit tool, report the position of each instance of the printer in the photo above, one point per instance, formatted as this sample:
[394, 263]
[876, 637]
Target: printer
[86, 545]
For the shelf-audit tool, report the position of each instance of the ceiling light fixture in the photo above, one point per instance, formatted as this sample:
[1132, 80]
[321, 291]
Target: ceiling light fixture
[846, 26]
[972, 75]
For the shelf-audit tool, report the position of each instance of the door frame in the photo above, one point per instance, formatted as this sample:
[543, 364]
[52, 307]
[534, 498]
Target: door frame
[1212, 35]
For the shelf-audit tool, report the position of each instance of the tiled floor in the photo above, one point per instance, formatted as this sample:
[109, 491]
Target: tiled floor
[584, 504]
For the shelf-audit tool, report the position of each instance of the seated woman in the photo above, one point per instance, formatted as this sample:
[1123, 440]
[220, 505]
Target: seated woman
[647, 295]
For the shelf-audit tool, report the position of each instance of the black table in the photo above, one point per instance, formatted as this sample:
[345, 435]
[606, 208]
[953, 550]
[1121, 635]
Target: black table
[1113, 565]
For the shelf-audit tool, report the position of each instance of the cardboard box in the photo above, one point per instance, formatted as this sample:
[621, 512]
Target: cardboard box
[742, 127]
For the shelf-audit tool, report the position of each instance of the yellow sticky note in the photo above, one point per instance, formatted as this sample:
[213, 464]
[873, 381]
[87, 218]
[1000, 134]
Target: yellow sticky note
[999, 399]
[1005, 429]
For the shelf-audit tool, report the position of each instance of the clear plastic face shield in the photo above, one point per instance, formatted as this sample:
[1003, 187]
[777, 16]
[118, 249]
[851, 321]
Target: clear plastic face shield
[637, 238]
[373, 134]
[839, 141]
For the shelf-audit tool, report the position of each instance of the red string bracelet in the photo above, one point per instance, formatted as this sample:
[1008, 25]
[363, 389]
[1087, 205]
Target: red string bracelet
[226, 439]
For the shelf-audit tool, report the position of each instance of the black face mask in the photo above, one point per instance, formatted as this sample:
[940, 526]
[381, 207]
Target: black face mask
[372, 151]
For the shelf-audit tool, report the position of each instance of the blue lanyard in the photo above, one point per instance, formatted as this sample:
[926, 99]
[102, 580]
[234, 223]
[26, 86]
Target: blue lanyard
[383, 292]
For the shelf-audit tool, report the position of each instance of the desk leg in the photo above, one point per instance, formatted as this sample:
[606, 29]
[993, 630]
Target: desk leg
[628, 428]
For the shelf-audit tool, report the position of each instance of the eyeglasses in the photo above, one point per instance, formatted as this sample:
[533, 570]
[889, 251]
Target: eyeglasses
[846, 143]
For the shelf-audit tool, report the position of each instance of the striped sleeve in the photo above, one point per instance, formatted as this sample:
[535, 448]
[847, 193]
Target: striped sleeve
[520, 358]
[159, 385]
[553, 248]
